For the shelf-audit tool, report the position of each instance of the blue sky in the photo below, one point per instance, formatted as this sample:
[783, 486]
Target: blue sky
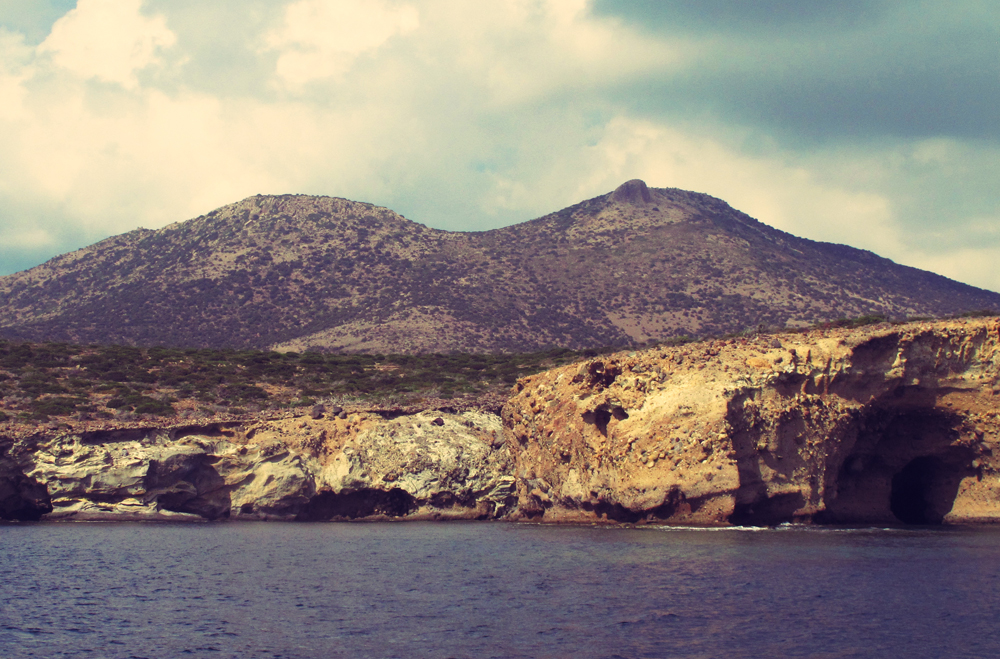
[873, 124]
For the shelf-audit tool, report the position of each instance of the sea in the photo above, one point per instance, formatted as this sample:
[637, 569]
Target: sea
[404, 590]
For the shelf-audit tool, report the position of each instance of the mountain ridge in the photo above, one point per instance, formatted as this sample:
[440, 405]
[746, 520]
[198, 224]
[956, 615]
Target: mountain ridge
[305, 272]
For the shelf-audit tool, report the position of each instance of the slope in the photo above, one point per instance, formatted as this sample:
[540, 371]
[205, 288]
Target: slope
[301, 272]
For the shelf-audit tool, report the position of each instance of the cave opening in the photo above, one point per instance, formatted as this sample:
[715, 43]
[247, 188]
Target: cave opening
[911, 497]
[358, 504]
[602, 417]
[905, 467]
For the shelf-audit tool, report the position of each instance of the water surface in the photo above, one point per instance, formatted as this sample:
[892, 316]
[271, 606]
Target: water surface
[494, 590]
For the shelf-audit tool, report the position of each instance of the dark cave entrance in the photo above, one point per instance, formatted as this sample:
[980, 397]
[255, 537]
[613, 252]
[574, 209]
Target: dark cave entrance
[912, 498]
[905, 467]
[602, 416]
[358, 504]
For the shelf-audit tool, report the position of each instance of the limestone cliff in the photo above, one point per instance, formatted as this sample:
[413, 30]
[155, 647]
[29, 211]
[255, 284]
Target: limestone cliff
[423, 466]
[885, 425]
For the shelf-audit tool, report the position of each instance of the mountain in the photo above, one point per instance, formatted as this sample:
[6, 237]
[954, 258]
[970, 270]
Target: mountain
[299, 272]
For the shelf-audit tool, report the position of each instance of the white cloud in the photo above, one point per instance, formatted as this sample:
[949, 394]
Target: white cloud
[14, 53]
[108, 40]
[523, 51]
[14, 70]
[322, 38]
[26, 237]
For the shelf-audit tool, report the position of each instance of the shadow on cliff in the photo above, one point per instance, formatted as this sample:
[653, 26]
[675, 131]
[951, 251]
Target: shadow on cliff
[618, 513]
[906, 466]
[752, 445]
[21, 498]
[188, 483]
[899, 459]
[358, 504]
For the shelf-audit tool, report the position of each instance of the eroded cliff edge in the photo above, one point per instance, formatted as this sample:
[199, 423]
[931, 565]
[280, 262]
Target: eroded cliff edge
[883, 424]
[431, 465]
[877, 425]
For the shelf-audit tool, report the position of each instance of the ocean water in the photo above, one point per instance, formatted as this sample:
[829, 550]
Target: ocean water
[495, 590]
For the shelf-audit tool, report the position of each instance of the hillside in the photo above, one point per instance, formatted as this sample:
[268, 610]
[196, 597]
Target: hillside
[299, 272]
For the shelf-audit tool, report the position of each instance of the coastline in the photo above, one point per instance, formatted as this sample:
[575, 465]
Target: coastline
[831, 426]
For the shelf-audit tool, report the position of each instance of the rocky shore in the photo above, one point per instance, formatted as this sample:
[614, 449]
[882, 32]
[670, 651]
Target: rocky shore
[883, 424]
[425, 465]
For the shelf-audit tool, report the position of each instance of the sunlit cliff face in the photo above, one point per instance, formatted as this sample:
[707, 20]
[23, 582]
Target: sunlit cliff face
[884, 425]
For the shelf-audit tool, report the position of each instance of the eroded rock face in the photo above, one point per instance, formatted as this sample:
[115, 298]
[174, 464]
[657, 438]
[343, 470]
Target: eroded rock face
[879, 425]
[886, 425]
[428, 466]
[357, 467]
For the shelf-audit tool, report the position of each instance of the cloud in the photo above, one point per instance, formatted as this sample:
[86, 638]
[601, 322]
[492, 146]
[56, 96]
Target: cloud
[107, 40]
[817, 71]
[322, 38]
[741, 17]
[14, 58]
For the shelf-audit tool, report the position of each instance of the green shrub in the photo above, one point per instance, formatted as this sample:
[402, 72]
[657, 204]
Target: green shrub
[146, 405]
[860, 321]
[140, 404]
[35, 387]
[58, 406]
[243, 392]
[236, 377]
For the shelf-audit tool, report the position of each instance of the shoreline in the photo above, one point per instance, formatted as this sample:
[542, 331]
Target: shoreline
[882, 425]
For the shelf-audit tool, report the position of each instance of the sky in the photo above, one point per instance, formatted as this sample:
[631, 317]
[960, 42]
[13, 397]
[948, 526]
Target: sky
[870, 123]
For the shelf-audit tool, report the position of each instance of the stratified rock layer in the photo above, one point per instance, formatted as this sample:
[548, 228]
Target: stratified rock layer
[876, 425]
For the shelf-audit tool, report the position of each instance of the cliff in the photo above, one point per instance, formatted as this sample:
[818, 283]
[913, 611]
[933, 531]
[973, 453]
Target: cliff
[877, 425]
[365, 465]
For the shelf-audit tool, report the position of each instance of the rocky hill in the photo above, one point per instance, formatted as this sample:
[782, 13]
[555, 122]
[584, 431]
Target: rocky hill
[300, 272]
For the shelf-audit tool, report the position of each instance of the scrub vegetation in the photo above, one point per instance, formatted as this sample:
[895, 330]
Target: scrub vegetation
[43, 380]
[39, 381]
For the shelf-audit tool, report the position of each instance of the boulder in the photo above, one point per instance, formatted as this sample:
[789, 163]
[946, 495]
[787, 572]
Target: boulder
[634, 192]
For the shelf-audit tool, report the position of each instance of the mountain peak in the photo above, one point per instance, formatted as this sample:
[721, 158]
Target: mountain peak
[632, 192]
